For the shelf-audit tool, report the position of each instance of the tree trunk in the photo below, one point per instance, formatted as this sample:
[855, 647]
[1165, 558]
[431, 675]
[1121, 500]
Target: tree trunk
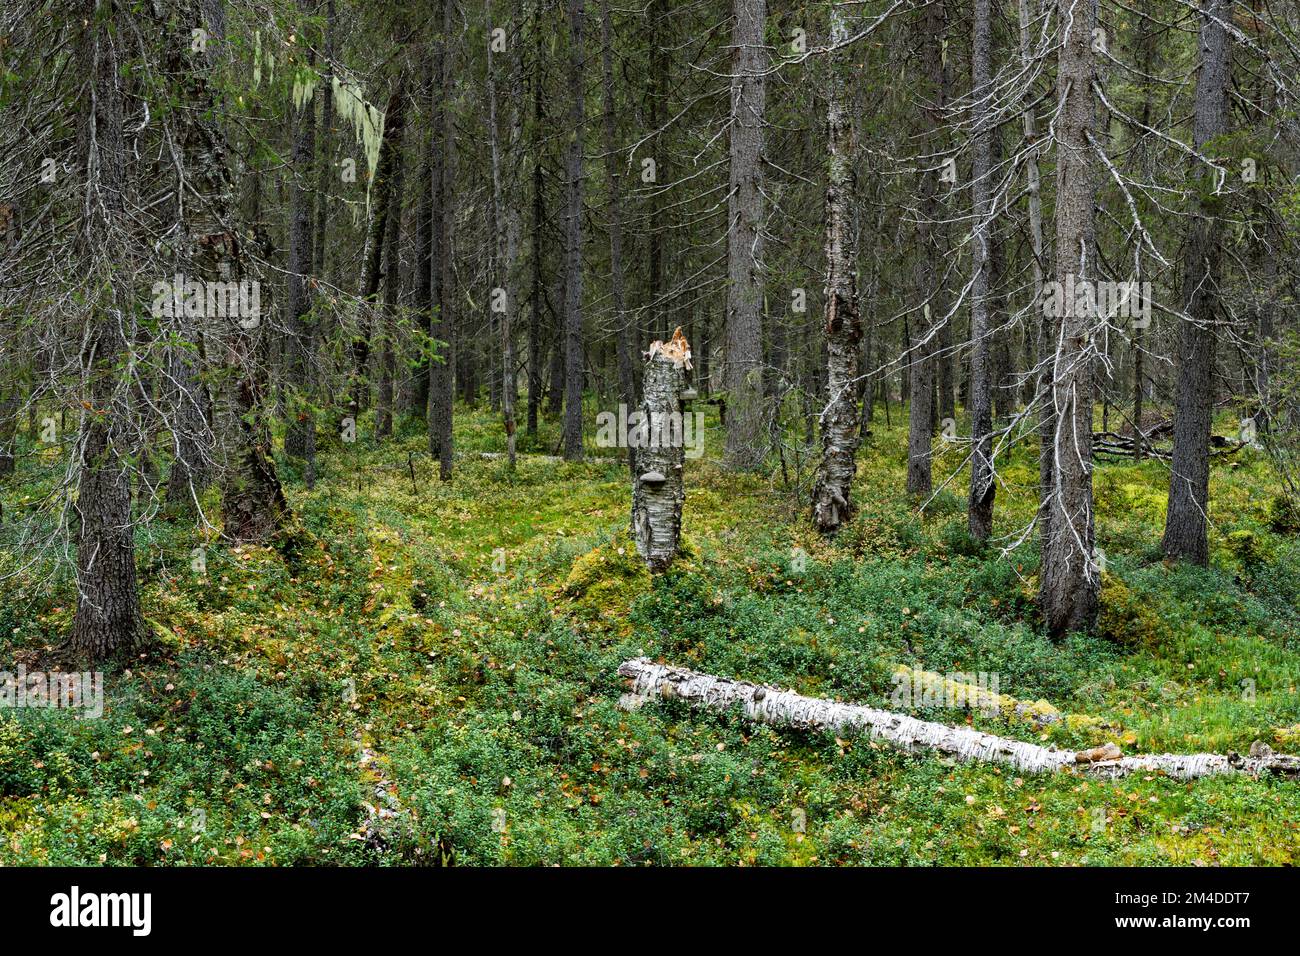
[622, 318]
[658, 491]
[574, 358]
[384, 408]
[832, 504]
[441, 137]
[253, 504]
[1037, 386]
[506, 217]
[1069, 580]
[108, 617]
[10, 401]
[325, 172]
[1147, 68]
[300, 436]
[983, 484]
[1187, 519]
[387, 174]
[744, 449]
[536, 379]
[929, 270]
[189, 410]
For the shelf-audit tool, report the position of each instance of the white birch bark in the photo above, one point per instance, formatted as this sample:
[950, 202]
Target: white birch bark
[785, 708]
[658, 491]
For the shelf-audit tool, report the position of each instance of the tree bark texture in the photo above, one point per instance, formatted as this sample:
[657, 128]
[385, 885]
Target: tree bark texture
[440, 266]
[108, 617]
[744, 448]
[574, 356]
[300, 436]
[658, 491]
[1069, 579]
[983, 485]
[832, 503]
[622, 317]
[930, 266]
[1187, 519]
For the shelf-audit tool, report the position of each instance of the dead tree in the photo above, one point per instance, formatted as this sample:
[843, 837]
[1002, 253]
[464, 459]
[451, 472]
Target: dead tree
[983, 486]
[832, 505]
[659, 492]
[784, 708]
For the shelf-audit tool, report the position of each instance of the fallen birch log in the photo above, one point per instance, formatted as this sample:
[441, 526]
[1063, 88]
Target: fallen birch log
[785, 708]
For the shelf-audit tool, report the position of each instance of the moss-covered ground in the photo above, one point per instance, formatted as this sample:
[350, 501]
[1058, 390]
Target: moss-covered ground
[467, 635]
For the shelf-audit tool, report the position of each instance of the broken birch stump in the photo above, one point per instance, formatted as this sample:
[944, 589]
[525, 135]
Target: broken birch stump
[658, 490]
[785, 708]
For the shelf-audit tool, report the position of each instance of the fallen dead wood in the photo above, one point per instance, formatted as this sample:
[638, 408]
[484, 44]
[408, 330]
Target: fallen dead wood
[786, 708]
[1119, 446]
[537, 456]
[1108, 444]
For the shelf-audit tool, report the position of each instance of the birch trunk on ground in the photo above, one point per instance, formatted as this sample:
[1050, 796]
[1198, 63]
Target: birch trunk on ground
[745, 238]
[1069, 579]
[832, 505]
[1187, 519]
[658, 491]
[108, 618]
[772, 705]
[982, 479]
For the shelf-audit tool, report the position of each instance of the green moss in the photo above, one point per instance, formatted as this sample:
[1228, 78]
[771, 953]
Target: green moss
[604, 581]
[1127, 618]
[1249, 548]
[1284, 514]
[475, 628]
[1288, 738]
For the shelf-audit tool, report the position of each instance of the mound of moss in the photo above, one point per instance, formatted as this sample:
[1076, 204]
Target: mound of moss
[1126, 618]
[603, 583]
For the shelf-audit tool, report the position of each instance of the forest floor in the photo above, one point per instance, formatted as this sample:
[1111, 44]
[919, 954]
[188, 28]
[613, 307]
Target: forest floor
[456, 645]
